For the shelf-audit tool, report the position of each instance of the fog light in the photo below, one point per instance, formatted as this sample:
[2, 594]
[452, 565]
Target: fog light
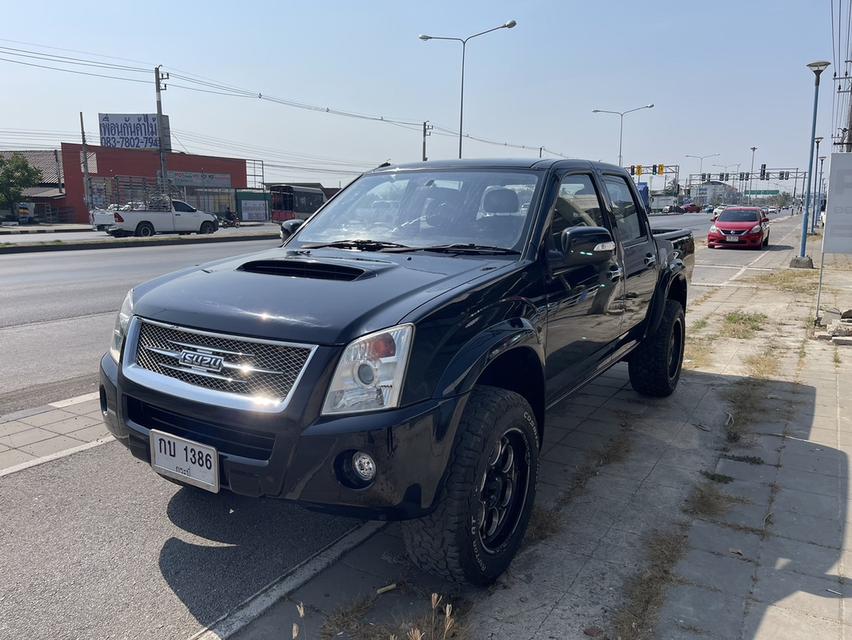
[364, 466]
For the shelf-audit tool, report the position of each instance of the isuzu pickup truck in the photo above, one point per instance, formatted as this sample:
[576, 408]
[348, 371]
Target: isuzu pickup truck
[395, 357]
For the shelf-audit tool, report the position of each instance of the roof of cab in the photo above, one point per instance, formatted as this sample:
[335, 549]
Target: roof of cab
[500, 163]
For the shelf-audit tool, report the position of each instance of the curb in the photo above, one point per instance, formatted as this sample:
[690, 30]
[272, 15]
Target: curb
[133, 242]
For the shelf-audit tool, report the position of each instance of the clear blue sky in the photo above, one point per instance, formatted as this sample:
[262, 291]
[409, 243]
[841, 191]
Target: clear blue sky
[724, 75]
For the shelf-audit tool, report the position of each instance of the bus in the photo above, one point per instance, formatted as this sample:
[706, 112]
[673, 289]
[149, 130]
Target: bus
[293, 201]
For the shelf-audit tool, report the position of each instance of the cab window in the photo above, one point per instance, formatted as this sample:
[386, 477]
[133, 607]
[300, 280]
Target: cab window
[577, 205]
[624, 208]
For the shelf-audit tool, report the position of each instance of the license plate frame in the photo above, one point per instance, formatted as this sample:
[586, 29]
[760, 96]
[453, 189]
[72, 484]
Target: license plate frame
[165, 460]
[732, 238]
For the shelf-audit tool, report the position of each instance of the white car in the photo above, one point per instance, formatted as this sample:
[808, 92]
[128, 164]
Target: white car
[718, 210]
[162, 216]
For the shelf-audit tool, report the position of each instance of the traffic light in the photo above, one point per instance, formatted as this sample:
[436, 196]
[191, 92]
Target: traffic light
[632, 169]
[742, 176]
[721, 177]
[747, 176]
[703, 177]
[639, 170]
[763, 171]
[661, 169]
[653, 169]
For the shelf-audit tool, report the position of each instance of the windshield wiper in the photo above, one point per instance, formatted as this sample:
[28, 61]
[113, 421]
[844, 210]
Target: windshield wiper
[361, 244]
[462, 247]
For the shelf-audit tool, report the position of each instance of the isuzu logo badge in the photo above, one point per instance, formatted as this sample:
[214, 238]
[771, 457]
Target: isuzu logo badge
[201, 360]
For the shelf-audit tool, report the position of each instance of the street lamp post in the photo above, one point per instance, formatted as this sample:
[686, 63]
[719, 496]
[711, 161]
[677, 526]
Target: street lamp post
[751, 176]
[621, 115]
[814, 217]
[701, 160]
[802, 260]
[507, 25]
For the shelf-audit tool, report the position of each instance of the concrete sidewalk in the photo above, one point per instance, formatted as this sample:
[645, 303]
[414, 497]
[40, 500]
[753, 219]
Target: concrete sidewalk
[720, 512]
[43, 228]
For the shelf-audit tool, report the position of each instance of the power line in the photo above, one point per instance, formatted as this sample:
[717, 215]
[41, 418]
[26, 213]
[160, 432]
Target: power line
[80, 73]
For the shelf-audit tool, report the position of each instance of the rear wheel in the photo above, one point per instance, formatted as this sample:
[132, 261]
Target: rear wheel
[206, 227]
[655, 365]
[145, 230]
[480, 522]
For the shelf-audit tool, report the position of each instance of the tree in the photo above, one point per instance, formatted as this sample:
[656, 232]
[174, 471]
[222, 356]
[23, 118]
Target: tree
[16, 174]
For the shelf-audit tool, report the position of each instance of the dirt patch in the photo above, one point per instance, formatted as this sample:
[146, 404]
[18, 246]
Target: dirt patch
[543, 524]
[347, 619]
[742, 324]
[720, 478]
[699, 325]
[645, 592]
[706, 501]
[697, 353]
[791, 280]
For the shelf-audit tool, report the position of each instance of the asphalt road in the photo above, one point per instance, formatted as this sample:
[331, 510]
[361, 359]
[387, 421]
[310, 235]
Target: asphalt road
[96, 545]
[57, 311]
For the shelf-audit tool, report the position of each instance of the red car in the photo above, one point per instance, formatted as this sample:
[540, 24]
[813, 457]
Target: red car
[691, 208]
[740, 227]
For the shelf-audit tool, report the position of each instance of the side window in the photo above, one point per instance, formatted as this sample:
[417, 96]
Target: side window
[625, 208]
[577, 205]
[182, 207]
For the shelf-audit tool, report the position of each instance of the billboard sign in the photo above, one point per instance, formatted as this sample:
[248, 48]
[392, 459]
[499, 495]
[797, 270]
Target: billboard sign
[133, 131]
[254, 210]
[198, 179]
[837, 237]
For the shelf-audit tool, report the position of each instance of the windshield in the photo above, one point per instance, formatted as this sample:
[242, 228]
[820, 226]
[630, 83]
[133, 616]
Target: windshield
[738, 215]
[430, 208]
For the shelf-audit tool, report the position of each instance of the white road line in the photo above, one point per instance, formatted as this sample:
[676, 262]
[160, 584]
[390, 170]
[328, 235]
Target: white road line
[55, 456]
[254, 606]
[59, 404]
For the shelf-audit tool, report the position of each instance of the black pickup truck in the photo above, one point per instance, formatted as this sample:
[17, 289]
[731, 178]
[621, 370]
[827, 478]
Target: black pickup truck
[394, 359]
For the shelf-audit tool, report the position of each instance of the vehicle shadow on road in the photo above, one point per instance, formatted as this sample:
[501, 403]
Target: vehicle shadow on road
[235, 546]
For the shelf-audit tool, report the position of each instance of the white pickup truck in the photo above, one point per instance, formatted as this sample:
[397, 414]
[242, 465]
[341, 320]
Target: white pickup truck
[162, 216]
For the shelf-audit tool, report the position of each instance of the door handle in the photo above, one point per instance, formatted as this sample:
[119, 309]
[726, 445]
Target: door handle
[614, 273]
[650, 260]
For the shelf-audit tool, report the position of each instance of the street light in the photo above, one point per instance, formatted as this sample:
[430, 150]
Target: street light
[701, 160]
[751, 176]
[814, 217]
[621, 115]
[506, 25]
[802, 260]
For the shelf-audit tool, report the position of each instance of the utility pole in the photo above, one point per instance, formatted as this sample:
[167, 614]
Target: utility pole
[58, 170]
[817, 141]
[87, 183]
[751, 176]
[164, 176]
[818, 195]
[427, 131]
[540, 151]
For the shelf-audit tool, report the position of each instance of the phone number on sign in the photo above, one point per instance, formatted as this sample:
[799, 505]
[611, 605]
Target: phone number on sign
[124, 142]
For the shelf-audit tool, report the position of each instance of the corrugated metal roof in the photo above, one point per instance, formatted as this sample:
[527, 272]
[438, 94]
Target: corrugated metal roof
[43, 159]
[44, 192]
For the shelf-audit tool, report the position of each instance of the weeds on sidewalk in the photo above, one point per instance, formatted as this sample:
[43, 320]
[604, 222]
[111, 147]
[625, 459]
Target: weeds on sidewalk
[697, 352]
[708, 502]
[742, 324]
[745, 399]
[636, 619]
[790, 280]
[438, 623]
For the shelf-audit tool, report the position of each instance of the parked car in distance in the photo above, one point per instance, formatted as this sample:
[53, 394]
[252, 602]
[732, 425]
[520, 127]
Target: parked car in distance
[396, 362]
[673, 208]
[708, 209]
[161, 215]
[741, 227]
[719, 209]
[691, 208]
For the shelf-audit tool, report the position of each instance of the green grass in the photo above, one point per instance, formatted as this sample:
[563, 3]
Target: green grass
[742, 324]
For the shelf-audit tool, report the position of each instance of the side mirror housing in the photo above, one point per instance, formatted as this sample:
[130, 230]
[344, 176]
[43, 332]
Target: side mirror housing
[289, 227]
[764, 220]
[587, 245]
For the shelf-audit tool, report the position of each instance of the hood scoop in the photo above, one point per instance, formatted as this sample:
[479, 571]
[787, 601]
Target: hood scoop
[303, 269]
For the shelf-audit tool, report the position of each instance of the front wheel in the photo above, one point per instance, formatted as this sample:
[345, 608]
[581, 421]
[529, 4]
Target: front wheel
[488, 496]
[656, 364]
[206, 227]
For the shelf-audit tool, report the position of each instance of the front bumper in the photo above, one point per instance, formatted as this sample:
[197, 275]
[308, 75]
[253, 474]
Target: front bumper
[276, 455]
[745, 240]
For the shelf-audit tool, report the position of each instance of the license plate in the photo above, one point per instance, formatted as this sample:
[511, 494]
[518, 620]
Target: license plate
[184, 460]
[732, 238]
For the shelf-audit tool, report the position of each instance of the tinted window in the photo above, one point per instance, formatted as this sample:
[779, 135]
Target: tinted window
[738, 215]
[424, 208]
[624, 208]
[577, 205]
[182, 206]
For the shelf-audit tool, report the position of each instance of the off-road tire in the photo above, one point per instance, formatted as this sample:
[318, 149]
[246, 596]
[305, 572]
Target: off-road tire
[446, 542]
[145, 230]
[656, 364]
[206, 227]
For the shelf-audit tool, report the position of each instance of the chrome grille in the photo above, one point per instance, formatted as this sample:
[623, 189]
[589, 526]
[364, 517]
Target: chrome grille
[235, 365]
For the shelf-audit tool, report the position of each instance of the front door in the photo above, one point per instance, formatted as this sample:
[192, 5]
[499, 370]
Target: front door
[186, 217]
[583, 294]
[640, 251]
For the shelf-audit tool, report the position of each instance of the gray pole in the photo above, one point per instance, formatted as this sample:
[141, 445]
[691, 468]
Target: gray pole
[815, 189]
[804, 242]
[461, 102]
[818, 200]
[751, 176]
[424, 142]
[620, 136]
[164, 176]
[87, 183]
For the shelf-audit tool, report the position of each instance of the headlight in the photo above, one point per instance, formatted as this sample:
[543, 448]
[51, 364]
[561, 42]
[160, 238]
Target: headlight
[714, 229]
[755, 229]
[119, 331]
[370, 372]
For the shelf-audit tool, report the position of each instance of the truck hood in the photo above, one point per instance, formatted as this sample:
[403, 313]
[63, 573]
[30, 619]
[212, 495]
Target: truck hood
[327, 296]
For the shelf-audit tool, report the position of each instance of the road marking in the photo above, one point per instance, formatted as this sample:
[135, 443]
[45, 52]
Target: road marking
[55, 456]
[255, 605]
[59, 404]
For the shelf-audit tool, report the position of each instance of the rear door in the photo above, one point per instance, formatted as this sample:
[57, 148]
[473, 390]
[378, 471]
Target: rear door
[640, 251]
[583, 298]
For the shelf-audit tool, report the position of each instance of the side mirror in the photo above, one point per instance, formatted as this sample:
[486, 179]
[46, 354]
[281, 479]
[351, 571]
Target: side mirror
[289, 227]
[587, 245]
